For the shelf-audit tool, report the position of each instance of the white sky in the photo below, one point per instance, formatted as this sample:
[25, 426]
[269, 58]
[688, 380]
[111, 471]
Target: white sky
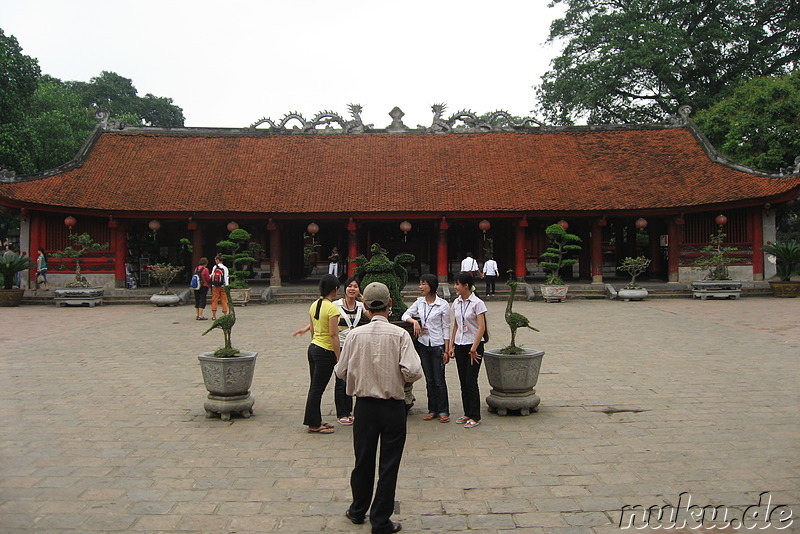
[229, 63]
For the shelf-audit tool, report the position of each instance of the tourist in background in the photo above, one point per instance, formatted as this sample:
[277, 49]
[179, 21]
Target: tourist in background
[219, 279]
[333, 268]
[430, 315]
[466, 346]
[490, 274]
[201, 293]
[41, 269]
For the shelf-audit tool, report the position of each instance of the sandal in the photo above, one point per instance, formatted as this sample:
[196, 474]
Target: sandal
[461, 420]
[320, 430]
[326, 425]
[472, 423]
[428, 417]
[444, 418]
[348, 420]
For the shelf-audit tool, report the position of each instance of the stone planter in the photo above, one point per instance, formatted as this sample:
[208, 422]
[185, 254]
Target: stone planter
[512, 377]
[553, 293]
[228, 383]
[240, 297]
[11, 297]
[721, 289]
[632, 294]
[78, 296]
[785, 289]
[165, 300]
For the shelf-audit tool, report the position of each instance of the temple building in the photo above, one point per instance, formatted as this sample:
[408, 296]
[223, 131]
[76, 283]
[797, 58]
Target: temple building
[486, 185]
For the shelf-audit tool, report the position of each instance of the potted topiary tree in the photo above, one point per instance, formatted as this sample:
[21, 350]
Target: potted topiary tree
[228, 372]
[12, 263]
[513, 371]
[787, 257]
[634, 267]
[390, 272]
[714, 259]
[165, 274]
[78, 291]
[237, 255]
[555, 258]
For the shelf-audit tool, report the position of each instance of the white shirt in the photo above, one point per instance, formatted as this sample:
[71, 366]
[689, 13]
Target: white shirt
[469, 264]
[351, 323]
[434, 319]
[466, 313]
[490, 268]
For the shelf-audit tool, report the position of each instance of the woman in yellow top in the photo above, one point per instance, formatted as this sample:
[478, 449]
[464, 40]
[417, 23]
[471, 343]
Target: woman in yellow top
[323, 352]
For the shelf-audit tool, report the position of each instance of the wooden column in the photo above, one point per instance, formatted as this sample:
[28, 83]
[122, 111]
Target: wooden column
[120, 244]
[274, 254]
[519, 249]
[442, 264]
[757, 226]
[596, 246]
[352, 247]
[673, 249]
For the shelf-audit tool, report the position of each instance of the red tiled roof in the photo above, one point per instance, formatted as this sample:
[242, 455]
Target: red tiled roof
[569, 170]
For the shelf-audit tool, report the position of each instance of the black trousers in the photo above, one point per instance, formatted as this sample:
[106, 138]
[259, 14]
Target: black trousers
[320, 365]
[384, 421]
[201, 297]
[490, 284]
[468, 379]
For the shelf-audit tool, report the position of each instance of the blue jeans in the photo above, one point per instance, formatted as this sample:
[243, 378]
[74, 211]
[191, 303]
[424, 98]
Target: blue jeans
[433, 367]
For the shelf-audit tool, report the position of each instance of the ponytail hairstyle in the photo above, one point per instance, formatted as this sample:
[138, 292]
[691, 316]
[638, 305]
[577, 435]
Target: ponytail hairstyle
[327, 285]
[465, 279]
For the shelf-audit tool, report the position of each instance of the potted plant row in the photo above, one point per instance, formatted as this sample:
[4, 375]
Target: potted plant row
[787, 258]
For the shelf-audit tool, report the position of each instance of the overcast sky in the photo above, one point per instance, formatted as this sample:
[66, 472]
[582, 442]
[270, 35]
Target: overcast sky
[229, 63]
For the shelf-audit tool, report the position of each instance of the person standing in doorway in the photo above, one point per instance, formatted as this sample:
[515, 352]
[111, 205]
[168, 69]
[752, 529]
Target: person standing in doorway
[490, 274]
[376, 362]
[219, 279]
[333, 268]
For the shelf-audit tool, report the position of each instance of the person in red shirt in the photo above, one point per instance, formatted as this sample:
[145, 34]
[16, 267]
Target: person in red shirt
[201, 293]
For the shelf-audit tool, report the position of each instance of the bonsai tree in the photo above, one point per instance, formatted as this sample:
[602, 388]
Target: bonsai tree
[634, 267]
[392, 273]
[10, 265]
[165, 274]
[310, 248]
[81, 244]
[236, 254]
[557, 256]
[714, 257]
[787, 254]
[225, 323]
[513, 319]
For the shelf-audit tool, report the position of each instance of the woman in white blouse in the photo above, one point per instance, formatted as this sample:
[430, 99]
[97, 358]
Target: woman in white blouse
[430, 315]
[466, 346]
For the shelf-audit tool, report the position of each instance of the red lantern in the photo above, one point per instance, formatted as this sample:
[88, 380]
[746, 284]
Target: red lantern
[484, 225]
[111, 222]
[641, 223]
[405, 226]
[154, 225]
[313, 228]
[721, 220]
[233, 225]
[563, 224]
[70, 221]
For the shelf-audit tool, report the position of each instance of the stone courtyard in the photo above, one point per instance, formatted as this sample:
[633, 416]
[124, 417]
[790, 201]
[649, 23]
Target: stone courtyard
[103, 427]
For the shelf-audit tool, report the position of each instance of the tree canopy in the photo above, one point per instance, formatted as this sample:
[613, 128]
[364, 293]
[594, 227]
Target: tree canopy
[639, 60]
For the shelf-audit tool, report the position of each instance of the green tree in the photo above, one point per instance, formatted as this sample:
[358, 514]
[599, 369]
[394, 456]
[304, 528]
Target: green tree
[759, 124]
[639, 60]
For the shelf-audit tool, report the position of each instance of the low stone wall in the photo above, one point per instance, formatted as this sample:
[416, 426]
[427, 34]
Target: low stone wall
[687, 275]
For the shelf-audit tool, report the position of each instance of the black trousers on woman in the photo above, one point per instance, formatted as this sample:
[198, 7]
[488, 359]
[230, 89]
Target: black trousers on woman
[376, 420]
[320, 366]
[201, 297]
[468, 378]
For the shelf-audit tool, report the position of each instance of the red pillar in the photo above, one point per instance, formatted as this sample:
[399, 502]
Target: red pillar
[352, 247]
[519, 249]
[596, 246]
[758, 242]
[442, 263]
[673, 253]
[274, 254]
[120, 244]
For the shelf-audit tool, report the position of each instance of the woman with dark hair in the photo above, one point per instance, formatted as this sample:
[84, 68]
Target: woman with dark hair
[201, 293]
[41, 269]
[323, 352]
[466, 345]
[430, 315]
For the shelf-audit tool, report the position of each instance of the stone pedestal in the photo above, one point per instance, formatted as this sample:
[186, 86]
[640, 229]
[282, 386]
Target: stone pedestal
[78, 296]
[165, 300]
[512, 377]
[228, 383]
